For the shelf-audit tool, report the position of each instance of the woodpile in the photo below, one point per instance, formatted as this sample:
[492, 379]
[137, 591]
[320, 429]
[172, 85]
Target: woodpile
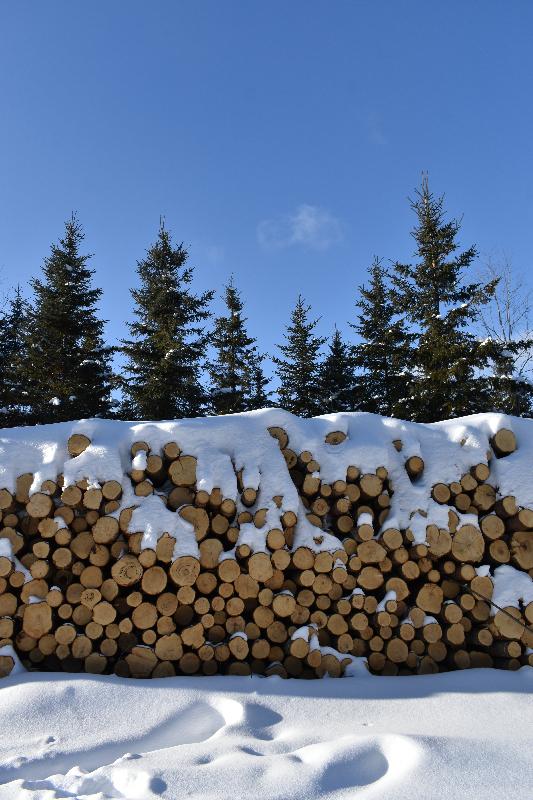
[80, 593]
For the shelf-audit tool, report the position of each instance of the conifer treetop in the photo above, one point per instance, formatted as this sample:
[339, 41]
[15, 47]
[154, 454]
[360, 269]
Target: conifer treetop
[299, 368]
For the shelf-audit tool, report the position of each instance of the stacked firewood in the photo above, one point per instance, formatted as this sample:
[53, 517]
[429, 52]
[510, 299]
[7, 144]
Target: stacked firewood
[80, 592]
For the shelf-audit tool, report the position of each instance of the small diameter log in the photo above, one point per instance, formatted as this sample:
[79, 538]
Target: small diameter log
[441, 493]
[7, 664]
[335, 437]
[503, 442]
[439, 541]
[77, 443]
[481, 472]
[484, 498]
[6, 499]
[280, 434]
[154, 580]
[414, 467]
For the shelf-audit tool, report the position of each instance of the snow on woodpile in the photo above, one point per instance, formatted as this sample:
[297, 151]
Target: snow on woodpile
[144, 547]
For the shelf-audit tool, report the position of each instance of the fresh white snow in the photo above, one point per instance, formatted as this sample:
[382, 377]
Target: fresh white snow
[455, 736]
[224, 445]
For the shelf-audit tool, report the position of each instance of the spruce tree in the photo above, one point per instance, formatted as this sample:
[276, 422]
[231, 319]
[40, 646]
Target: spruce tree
[67, 369]
[166, 352]
[511, 391]
[299, 369]
[237, 381]
[338, 391]
[383, 357]
[13, 331]
[259, 397]
[449, 358]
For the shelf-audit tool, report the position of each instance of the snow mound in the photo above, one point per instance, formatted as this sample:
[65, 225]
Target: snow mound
[242, 738]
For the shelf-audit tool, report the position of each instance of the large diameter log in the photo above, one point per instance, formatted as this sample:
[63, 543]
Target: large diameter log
[127, 571]
[522, 549]
[508, 623]
[198, 518]
[141, 662]
[39, 506]
[371, 486]
[169, 648]
[260, 567]
[371, 552]
[430, 598]
[185, 570]
[492, 526]
[105, 530]
[182, 471]
[37, 620]
[468, 544]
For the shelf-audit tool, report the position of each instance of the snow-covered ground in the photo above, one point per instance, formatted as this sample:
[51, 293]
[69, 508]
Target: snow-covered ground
[464, 735]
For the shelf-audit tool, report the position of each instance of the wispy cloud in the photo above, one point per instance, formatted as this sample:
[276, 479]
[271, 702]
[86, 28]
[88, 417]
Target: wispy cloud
[309, 226]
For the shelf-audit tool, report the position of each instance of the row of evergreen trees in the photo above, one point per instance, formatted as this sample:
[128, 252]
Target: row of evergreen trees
[418, 354]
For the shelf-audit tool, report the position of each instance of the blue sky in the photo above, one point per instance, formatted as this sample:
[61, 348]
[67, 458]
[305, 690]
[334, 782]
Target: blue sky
[280, 140]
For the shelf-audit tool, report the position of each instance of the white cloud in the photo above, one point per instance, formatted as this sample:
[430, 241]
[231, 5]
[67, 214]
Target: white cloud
[309, 226]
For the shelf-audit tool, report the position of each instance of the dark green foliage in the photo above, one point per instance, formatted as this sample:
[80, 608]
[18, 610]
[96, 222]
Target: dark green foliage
[511, 392]
[237, 380]
[299, 369]
[13, 328]
[338, 390]
[67, 370]
[166, 352]
[259, 397]
[383, 358]
[449, 358]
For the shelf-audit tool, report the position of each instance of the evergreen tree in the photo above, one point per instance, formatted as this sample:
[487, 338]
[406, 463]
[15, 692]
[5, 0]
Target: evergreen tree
[299, 369]
[384, 356]
[511, 392]
[13, 331]
[165, 355]
[259, 397]
[449, 358]
[67, 369]
[236, 376]
[337, 378]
